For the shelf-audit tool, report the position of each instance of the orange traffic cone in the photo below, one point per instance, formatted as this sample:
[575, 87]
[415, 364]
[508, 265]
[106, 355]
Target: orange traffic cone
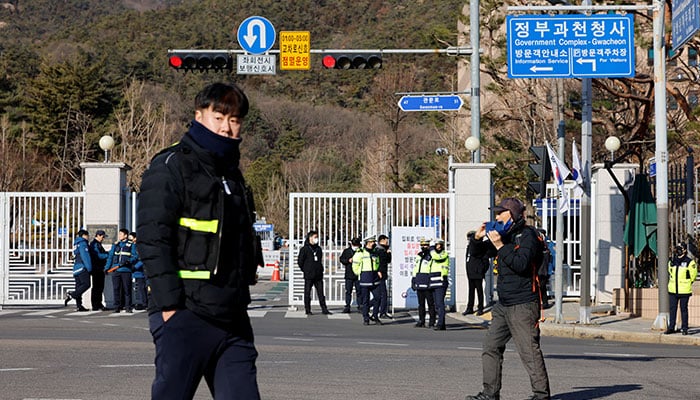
[276, 272]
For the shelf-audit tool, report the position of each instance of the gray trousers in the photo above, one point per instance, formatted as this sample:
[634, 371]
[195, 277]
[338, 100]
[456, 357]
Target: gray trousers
[521, 323]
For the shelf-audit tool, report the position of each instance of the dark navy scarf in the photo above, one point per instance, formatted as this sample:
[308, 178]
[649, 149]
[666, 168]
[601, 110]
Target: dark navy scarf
[224, 149]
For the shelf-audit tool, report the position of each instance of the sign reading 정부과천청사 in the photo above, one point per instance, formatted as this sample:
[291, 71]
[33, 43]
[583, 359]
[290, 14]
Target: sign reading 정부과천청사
[570, 46]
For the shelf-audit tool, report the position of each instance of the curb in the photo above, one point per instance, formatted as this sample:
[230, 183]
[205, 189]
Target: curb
[592, 333]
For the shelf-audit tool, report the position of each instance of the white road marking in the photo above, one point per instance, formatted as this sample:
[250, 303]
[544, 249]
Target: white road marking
[614, 355]
[383, 344]
[126, 365]
[295, 339]
[339, 316]
[295, 314]
[8, 312]
[42, 313]
[85, 313]
[256, 313]
[16, 369]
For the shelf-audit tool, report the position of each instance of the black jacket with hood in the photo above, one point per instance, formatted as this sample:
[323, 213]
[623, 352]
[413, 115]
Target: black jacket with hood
[516, 262]
[194, 216]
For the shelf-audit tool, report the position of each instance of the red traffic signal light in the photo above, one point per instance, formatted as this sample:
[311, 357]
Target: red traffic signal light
[190, 60]
[352, 61]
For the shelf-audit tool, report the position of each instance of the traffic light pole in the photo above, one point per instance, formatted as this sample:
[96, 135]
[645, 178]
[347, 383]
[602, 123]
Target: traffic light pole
[450, 51]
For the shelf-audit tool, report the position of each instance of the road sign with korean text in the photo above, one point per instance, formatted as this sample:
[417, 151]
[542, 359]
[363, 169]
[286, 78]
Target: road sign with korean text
[251, 64]
[256, 35]
[295, 50]
[685, 21]
[431, 103]
[570, 46]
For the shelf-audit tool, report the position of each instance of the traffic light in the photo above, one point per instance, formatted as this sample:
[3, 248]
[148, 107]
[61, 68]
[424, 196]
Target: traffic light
[542, 170]
[201, 60]
[352, 61]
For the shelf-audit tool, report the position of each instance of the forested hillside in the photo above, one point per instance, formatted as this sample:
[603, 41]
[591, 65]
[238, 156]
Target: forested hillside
[74, 70]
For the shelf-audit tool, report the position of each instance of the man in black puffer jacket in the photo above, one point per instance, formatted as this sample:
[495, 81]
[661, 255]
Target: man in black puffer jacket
[517, 312]
[195, 221]
[310, 262]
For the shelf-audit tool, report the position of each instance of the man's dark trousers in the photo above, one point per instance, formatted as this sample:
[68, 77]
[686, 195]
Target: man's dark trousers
[98, 286]
[439, 295]
[349, 285]
[82, 284]
[520, 322]
[383, 296]
[674, 299]
[365, 303]
[189, 347]
[423, 296]
[475, 285]
[318, 284]
[122, 289]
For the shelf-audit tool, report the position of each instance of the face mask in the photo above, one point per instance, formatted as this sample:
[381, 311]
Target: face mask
[499, 226]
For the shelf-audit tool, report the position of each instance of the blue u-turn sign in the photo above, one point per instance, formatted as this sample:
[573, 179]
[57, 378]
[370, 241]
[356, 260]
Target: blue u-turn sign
[256, 35]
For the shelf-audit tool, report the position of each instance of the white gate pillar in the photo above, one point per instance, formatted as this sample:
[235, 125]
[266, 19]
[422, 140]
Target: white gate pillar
[608, 228]
[473, 195]
[106, 194]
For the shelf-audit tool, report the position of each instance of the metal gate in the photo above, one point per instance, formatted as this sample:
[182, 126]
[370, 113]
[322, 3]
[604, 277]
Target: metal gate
[338, 217]
[36, 234]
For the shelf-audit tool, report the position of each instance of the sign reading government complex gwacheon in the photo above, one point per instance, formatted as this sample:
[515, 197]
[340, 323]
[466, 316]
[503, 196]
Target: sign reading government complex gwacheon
[570, 46]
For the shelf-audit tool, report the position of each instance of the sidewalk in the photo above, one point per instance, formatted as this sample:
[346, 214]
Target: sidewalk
[620, 327]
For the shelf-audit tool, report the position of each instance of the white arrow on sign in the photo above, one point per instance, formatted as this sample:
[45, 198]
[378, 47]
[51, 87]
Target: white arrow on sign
[250, 37]
[591, 61]
[535, 68]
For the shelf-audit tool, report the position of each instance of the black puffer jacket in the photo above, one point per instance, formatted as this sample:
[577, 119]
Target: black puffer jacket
[345, 258]
[310, 261]
[185, 184]
[516, 264]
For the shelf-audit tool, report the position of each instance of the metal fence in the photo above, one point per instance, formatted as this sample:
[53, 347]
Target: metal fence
[338, 217]
[37, 241]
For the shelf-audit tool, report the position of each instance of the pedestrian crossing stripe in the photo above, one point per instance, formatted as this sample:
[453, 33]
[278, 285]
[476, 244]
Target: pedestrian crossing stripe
[256, 313]
[80, 313]
[42, 313]
[295, 314]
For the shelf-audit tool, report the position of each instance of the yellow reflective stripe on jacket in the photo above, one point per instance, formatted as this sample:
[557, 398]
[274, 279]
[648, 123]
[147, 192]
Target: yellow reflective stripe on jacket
[186, 274]
[200, 225]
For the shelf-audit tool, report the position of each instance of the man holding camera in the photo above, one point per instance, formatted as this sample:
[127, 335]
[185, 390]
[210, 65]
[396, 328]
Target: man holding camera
[517, 312]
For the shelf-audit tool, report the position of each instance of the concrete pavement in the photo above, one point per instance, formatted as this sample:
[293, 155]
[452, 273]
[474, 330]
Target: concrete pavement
[604, 325]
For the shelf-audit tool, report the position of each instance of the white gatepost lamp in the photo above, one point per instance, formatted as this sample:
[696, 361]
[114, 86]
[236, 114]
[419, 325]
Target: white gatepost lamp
[106, 144]
[472, 144]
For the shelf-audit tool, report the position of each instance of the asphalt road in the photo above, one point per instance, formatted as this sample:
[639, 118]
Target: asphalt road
[64, 355]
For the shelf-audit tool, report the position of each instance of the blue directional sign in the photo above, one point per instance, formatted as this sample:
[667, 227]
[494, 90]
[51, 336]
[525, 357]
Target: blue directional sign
[431, 103]
[568, 46]
[685, 21]
[256, 35]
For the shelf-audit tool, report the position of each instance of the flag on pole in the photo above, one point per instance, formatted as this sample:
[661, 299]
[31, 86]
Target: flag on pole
[577, 170]
[559, 173]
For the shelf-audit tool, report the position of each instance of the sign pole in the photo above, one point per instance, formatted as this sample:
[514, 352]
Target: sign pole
[475, 76]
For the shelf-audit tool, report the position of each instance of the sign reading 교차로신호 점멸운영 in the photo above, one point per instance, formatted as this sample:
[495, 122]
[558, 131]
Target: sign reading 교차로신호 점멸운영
[570, 46]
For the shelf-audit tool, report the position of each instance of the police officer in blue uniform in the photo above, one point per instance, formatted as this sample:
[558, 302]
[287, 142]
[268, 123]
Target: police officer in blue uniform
[81, 270]
[120, 263]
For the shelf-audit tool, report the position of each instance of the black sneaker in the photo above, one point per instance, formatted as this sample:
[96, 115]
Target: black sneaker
[467, 312]
[346, 310]
[82, 309]
[326, 312]
[420, 324]
[67, 299]
[669, 331]
[376, 320]
[386, 316]
[116, 311]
